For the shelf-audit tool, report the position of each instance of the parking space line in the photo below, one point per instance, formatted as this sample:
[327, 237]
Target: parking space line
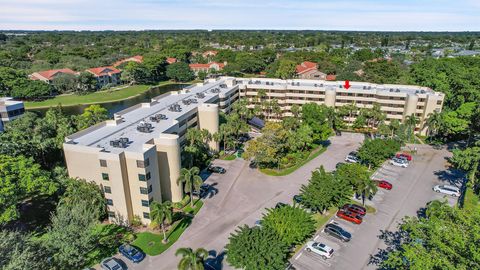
[299, 255]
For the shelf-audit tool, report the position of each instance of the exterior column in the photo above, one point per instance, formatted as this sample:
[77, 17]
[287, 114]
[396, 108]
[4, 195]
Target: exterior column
[208, 119]
[410, 105]
[330, 97]
[169, 164]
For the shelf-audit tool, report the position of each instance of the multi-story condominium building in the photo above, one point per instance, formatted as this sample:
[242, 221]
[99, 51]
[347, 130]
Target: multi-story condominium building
[136, 157]
[9, 110]
[106, 75]
[48, 75]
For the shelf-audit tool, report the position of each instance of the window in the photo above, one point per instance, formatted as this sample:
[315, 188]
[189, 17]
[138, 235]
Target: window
[142, 177]
[105, 176]
[111, 214]
[148, 176]
[107, 189]
[145, 203]
[146, 215]
[439, 102]
[143, 190]
[109, 202]
[103, 163]
[150, 188]
[143, 163]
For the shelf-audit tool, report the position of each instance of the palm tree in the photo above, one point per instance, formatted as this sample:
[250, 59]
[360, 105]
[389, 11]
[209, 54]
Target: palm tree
[366, 187]
[433, 123]
[191, 180]
[411, 122]
[161, 213]
[193, 136]
[393, 126]
[191, 260]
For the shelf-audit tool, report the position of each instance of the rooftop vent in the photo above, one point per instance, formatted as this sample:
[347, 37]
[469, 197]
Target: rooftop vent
[364, 87]
[321, 85]
[215, 90]
[315, 85]
[298, 83]
[293, 84]
[391, 89]
[398, 90]
[175, 108]
[120, 143]
[200, 95]
[144, 127]
[158, 117]
[369, 87]
[416, 91]
[223, 85]
[422, 91]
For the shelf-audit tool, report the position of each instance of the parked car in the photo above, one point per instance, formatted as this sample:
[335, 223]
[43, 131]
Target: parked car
[339, 164]
[352, 157]
[132, 253]
[203, 190]
[111, 264]
[384, 184]
[253, 165]
[399, 162]
[297, 198]
[217, 169]
[280, 205]
[447, 189]
[337, 232]
[355, 208]
[319, 248]
[406, 156]
[349, 216]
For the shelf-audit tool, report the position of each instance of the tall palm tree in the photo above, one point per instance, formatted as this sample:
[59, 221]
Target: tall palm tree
[433, 123]
[191, 260]
[411, 122]
[365, 187]
[191, 180]
[161, 213]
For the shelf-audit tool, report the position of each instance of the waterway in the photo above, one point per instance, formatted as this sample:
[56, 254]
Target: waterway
[116, 106]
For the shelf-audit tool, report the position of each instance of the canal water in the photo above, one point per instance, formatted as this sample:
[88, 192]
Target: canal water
[117, 106]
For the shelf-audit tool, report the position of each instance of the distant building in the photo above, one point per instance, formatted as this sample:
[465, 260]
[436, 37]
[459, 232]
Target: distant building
[171, 60]
[9, 110]
[136, 58]
[196, 68]
[48, 75]
[309, 70]
[106, 75]
[209, 54]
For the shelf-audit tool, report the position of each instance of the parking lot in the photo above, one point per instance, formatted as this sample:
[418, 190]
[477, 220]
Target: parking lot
[412, 190]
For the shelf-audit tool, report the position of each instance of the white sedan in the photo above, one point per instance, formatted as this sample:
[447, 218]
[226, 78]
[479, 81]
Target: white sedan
[447, 189]
[399, 162]
[321, 249]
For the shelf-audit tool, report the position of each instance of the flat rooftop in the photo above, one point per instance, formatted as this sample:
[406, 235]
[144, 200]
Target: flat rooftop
[363, 87]
[125, 122]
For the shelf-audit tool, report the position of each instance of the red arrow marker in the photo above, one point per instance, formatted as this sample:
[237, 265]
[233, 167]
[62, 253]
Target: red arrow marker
[347, 84]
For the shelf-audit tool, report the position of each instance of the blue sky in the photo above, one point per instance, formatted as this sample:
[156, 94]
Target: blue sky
[388, 15]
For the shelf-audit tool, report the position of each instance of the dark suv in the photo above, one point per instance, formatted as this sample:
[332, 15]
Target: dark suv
[337, 232]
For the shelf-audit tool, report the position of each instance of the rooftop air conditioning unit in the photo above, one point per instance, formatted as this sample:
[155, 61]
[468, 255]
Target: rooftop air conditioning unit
[422, 91]
[398, 90]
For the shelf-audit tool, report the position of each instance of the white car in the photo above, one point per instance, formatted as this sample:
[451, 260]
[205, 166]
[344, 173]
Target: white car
[447, 189]
[399, 162]
[111, 264]
[321, 249]
[352, 157]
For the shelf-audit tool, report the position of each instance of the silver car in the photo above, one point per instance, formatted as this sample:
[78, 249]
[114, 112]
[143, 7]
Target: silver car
[399, 162]
[447, 189]
[111, 264]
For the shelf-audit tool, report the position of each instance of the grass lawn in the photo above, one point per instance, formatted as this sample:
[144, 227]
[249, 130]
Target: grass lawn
[151, 243]
[315, 153]
[96, 97]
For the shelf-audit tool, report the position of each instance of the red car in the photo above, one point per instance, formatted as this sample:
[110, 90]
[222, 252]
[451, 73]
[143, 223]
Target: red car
[384, 184]
[349, 216]
[404, 156]
[357, 209]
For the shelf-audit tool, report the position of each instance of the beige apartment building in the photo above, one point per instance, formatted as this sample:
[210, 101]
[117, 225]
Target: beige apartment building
[136, 157]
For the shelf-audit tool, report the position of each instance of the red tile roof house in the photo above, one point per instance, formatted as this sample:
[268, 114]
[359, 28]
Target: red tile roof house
[206, 67]
[48, 75]
[208, 54]
[106, 75]
[171, 60]
[309, 70]
[136, 58]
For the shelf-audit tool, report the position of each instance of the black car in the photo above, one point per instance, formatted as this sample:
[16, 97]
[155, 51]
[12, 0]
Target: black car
[217, 169]
[280, 205]
[337, 232]
[203, 189]
[297, 198]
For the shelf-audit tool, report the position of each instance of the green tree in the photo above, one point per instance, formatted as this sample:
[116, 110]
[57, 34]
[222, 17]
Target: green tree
[286, 69]
[21, 251]
[375, 152]
[191, 181]
[256, 249]
[87, 82]
[292, 224]
[324, 191]
[70, 236]
[80, 191]
[315, 116]
[161, 214]
[469, 161]
[92, 115]
[21, 178]
[191, 260]
[180, 72]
